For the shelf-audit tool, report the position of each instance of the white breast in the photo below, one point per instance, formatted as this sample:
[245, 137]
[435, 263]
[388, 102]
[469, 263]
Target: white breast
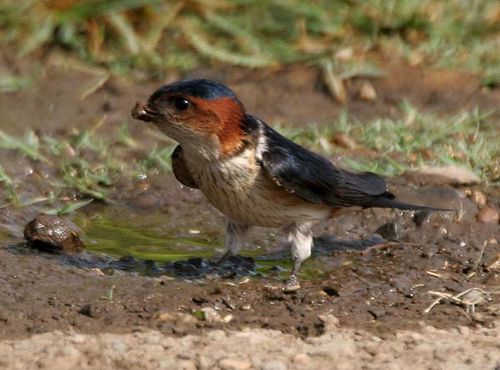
[239, 189]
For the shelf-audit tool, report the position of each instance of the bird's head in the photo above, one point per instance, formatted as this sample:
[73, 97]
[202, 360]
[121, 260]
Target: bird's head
[202, 115]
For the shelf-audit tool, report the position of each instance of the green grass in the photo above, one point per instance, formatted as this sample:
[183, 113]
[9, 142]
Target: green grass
[87, 166]
[78, 168]
[159, 35]
[390, 146]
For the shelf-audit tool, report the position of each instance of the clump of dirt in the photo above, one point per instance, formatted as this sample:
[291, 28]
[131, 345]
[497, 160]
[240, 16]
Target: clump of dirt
[53, 234]
[369, 283]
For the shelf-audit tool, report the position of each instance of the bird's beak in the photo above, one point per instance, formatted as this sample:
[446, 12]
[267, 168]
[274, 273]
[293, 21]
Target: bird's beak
[144, 113]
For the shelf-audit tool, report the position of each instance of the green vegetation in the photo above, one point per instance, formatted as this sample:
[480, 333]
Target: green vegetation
[85, 166]
[81, 166]
[389, 146]
[161, 35]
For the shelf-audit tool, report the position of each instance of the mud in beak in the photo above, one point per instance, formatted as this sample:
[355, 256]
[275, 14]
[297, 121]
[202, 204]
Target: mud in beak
[143, 113]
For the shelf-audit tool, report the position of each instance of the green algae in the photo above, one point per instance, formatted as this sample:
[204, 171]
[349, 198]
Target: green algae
[162, 238]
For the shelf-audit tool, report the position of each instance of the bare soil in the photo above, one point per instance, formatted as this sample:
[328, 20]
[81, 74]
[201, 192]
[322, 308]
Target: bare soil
[375, 289]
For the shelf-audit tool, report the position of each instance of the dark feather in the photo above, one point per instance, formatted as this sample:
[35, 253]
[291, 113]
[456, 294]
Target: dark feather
[315, 179]
[180, 170]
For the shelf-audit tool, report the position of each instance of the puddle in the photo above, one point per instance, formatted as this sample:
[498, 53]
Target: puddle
[156, 243]
[144, 236]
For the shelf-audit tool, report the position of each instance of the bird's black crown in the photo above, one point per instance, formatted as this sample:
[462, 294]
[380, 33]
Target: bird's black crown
[201, 88]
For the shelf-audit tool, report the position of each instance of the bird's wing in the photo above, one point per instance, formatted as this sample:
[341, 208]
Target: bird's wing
[312, 177]
[180, 169]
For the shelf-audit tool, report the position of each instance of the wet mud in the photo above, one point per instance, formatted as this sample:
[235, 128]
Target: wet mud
[151, 251]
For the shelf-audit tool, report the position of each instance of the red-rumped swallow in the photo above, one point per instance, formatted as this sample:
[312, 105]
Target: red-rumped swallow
[251, 173]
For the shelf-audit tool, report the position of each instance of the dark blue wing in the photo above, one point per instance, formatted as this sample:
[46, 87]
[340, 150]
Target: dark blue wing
[313, 178]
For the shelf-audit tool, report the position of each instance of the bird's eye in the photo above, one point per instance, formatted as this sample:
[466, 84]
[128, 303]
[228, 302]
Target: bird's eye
[181, 104]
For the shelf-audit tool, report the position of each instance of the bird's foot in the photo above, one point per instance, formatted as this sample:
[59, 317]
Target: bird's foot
[224, 258]
[292, 285]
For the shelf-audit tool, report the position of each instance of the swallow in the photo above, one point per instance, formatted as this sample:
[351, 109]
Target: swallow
[251, 173]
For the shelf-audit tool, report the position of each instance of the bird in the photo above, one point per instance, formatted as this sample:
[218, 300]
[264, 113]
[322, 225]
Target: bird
[251, 173]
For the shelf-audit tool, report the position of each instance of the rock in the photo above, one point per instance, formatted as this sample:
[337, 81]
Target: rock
[210, 315]
[329, 321]
[450, 175]
[234, 364]
[53, 234]
[91, 311]
[488, 215]
[478, 197]
[495, 264]
[344, 141]
[390, 231]
[275, 365]
[422, 217]
[344, 54]
[367, 92]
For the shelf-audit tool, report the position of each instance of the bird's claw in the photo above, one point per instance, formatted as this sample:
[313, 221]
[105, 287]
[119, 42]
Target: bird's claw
[292, 285]
[224, 258]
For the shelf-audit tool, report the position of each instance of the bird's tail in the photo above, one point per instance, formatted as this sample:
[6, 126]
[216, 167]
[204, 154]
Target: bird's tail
[387, 200]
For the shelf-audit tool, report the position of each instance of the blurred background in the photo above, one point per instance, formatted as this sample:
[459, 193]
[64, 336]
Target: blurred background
[376, 85]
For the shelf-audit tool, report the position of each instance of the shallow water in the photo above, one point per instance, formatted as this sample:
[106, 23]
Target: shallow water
[154, 243]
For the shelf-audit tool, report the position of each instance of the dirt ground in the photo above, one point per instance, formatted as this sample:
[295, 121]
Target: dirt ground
[56, 314]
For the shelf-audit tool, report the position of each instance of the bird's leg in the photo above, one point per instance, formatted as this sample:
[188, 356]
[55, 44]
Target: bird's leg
[235, 239]
[300, 238]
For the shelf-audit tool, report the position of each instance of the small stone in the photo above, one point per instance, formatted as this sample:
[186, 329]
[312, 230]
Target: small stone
[495, 264]
[275, 365]
[488, 215]
[53, 234]
[478, 197]
[329, 321]
[422, 217]
[449, 175]
[344, 54]
[97, 271]
[464, 330]
[90, 311]
[210, 315]
[344, 141]
[367, 92]
[330, 291]
[234, 364]
[390, 231]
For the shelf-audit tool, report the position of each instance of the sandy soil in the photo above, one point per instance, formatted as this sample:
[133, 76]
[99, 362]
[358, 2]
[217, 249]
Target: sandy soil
[462, 348]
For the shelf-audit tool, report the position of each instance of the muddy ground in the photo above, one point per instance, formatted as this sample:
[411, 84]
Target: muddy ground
[375, 280]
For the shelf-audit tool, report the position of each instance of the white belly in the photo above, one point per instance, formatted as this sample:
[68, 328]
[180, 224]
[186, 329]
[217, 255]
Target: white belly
[246, 195]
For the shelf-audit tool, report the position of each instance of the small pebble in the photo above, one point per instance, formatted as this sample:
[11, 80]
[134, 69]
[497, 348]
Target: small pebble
[478, 197]
[488, 215]
[53, 234]
[367, 92]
